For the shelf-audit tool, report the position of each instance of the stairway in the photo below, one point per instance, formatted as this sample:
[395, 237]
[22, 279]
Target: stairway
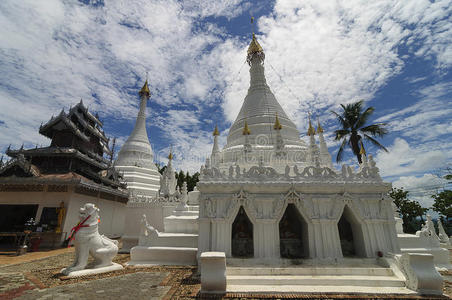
[177, 245]
[345, 278]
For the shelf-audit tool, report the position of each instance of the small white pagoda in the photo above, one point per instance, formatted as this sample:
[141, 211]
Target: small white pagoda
[136, 159]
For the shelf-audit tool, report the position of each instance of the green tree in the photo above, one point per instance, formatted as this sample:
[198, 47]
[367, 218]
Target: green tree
[180, 177]
[192, 181]
[409, 210]
[160, 168]
[354, 129]
[443, 205]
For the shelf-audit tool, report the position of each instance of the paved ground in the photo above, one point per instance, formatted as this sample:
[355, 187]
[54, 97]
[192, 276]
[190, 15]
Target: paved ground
[130, 286]
[36, 276]
[10, 257]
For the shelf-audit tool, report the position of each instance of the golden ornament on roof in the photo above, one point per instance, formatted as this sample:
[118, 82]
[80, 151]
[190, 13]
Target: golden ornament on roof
[311, 130]
[216, 132]
[319, 128]
[170, 155]
[277, 125]
[246, 130]
[254, 46]
[145, 90]
[362, 150]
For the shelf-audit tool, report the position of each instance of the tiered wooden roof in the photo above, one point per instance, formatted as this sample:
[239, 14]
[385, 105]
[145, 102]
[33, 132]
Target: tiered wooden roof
[78, 145]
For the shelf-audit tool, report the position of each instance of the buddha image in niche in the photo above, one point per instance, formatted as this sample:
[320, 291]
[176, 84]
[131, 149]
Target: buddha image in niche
[285, 230]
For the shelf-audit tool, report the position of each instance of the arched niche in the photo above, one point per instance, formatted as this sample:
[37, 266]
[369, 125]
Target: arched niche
[351, 234]
[242, 235]
[293, 234]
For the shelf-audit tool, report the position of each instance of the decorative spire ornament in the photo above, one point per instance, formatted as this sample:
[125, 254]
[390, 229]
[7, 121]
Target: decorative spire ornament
[279, 145]
[145, 90]
[362, 150]
[313, 150]
[277, 125]
[362, 153]
[255, 49]
[246, 130]
[311, 130]
[215, 131]
[325, 156]
[319, 127]
[215, 156]
[170, 155]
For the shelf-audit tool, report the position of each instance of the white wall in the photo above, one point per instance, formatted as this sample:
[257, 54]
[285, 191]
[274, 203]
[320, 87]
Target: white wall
[112, 214]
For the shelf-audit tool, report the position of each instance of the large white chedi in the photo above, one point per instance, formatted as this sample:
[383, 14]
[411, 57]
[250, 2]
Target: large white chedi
[136, 159]
[268, 199]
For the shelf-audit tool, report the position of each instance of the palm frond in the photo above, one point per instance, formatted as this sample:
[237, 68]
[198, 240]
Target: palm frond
[341, 133]
[340, 152]
[341, 120]
[364, 117]
[375, 129]
[375, 142]
[352, 113]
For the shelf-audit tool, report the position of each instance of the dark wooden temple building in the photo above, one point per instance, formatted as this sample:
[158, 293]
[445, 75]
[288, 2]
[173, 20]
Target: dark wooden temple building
[51, 183]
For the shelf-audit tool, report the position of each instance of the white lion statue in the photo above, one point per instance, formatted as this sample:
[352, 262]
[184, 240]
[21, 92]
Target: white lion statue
[87, 240]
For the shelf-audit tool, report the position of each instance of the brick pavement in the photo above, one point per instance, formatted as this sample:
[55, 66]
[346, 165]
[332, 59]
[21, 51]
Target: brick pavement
[141, 285]
[37, 279]
[9, 258]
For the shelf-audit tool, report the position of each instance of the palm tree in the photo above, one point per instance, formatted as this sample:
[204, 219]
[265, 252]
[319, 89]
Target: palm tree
[354, 129]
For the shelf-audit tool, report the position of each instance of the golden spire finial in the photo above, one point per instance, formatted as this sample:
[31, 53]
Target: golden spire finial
[254, 46]
[311, 130]
[216, 132]
[362, 150]
[255, 49]
[277, 125]
[145, 89]
[170, 155]
[246, 130]
[319, 128]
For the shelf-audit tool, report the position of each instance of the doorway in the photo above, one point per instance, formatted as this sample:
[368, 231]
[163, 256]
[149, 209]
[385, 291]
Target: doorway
[293, 233]
[350, 235]
[242, 235]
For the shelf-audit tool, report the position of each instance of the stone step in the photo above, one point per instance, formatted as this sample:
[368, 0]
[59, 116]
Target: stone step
[316, 280]
[166, 239]
[185, 213]
[181, 224]
[145, 256]
[309, 271]
[289, 289]
[193, 208]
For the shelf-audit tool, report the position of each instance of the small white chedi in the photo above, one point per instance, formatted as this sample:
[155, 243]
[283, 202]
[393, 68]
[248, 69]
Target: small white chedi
[427, 241]
[88, 241]
[177, 244]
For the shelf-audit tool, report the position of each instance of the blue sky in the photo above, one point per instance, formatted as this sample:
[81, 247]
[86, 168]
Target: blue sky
[395, 55]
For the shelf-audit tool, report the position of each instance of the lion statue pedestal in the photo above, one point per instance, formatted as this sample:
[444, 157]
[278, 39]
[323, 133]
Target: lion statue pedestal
[87, 240]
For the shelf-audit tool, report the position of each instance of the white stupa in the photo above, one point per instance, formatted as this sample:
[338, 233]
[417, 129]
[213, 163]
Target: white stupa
[136, 159]
[262, 130]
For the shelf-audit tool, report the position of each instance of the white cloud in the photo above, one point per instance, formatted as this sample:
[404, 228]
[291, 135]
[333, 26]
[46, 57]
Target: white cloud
[431, 112]
[402, 159]
[421, 188]
[325, 52]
